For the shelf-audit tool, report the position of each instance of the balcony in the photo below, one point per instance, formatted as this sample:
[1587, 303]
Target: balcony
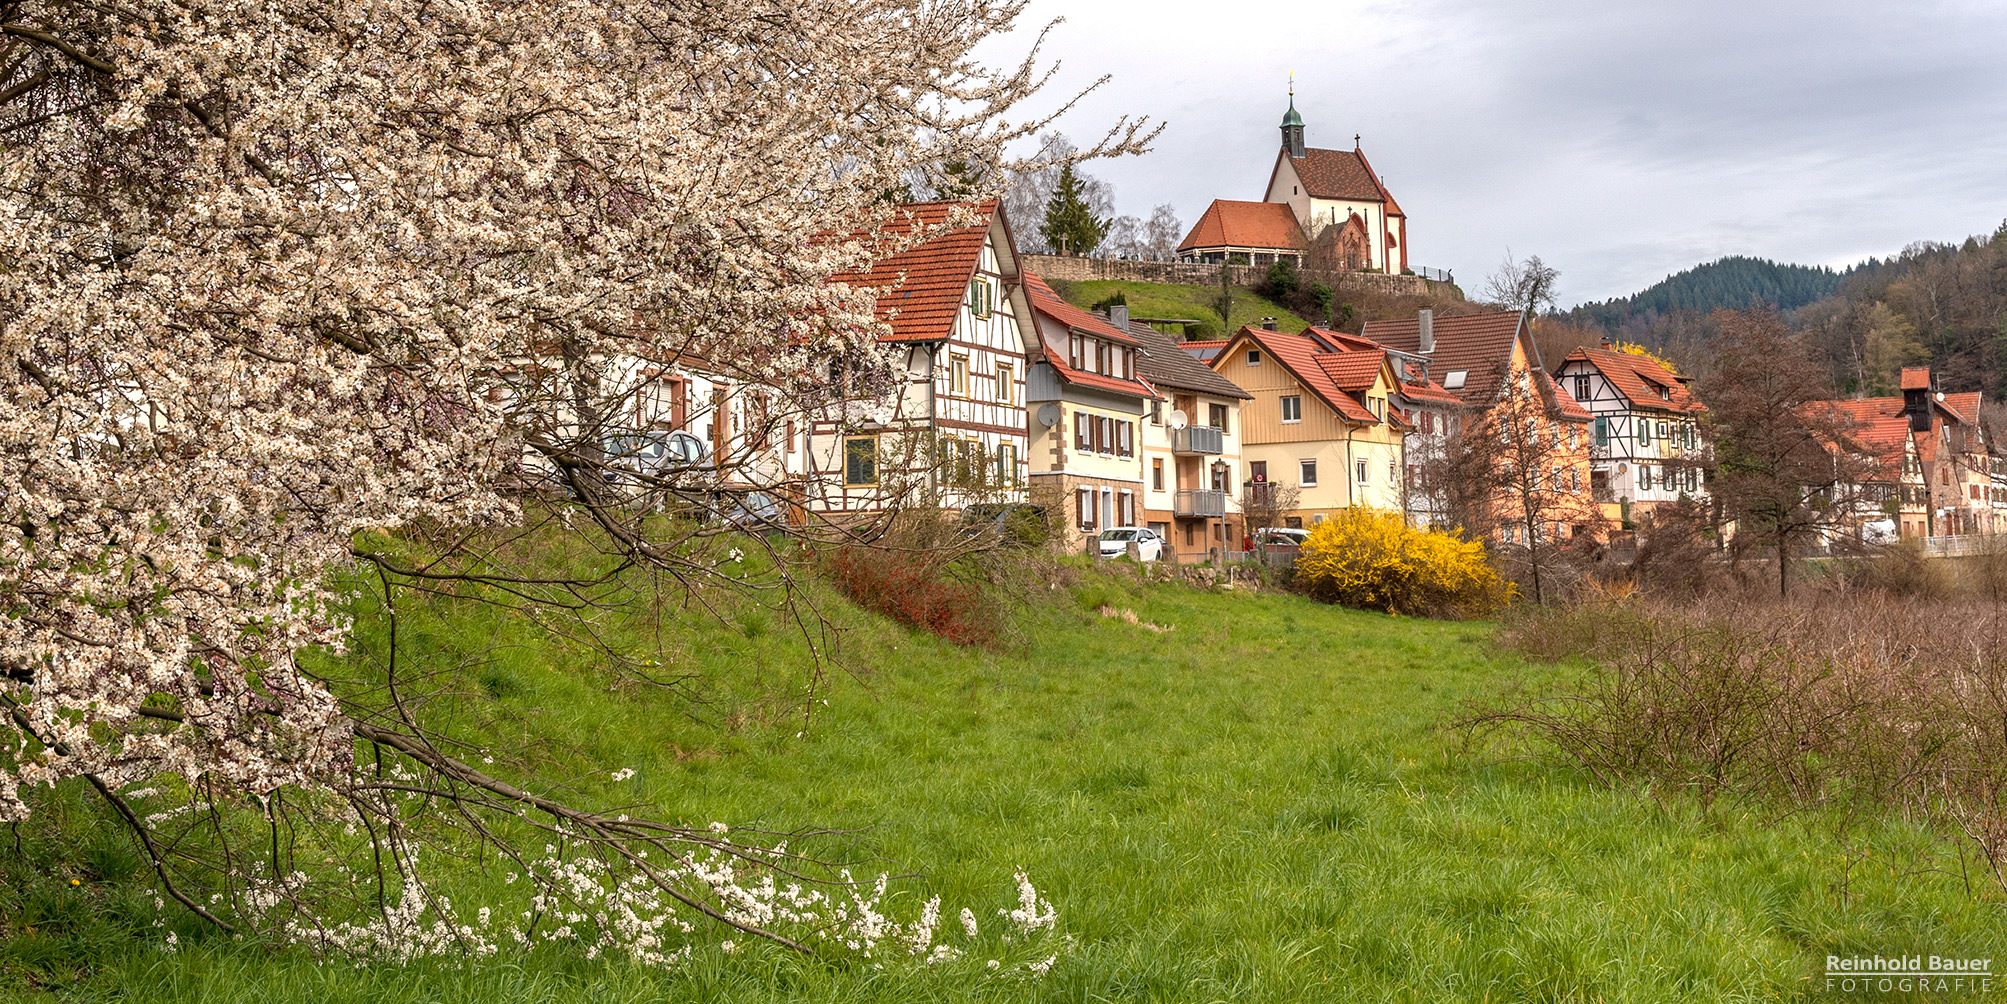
[1198, 439]
[1199, 503]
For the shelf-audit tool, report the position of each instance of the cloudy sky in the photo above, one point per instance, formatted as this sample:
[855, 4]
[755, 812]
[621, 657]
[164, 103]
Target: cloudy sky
[1618, 141]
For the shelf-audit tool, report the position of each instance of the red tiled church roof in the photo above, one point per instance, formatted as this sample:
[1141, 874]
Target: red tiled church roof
[923, 288]
[1342, 174]
[1245, 225]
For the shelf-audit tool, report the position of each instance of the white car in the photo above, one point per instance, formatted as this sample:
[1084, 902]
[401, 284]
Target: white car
[1115, 542]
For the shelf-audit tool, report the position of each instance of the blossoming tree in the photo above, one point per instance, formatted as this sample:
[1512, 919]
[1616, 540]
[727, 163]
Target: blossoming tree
[273, 273]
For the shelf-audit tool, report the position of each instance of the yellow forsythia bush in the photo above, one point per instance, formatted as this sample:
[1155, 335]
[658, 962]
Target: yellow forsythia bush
[1374, 560]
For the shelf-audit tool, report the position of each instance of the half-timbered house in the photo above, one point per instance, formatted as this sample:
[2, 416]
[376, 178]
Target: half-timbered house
[952, 432]
[1646, 447]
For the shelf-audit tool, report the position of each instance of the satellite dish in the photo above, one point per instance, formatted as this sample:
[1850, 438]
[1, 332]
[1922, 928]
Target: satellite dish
[1178, 419]
[1048, 414]
[1621, 468]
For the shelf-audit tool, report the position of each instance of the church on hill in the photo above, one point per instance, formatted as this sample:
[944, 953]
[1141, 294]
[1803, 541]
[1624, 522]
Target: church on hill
[1342, 213]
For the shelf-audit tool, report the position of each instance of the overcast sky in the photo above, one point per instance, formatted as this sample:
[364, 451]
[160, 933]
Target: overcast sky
[1619, 141]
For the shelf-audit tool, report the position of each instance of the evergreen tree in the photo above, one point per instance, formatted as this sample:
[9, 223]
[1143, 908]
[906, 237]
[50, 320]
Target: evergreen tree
[1070, 225]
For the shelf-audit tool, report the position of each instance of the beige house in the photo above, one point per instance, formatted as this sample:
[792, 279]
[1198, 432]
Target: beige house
[1087, 403]
[1320, 420]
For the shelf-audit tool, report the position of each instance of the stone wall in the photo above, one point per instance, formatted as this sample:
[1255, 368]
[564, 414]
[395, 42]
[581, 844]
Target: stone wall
[1072, 269]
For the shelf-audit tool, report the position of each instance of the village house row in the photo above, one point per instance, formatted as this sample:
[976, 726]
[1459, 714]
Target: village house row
[1011, 395]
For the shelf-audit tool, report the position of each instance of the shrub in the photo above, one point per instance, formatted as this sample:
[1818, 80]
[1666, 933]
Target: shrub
[918, 593]
[1282, 280]
[1376, 561]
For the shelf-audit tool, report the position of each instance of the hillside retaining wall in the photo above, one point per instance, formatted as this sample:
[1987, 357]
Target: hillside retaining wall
[1072, 269]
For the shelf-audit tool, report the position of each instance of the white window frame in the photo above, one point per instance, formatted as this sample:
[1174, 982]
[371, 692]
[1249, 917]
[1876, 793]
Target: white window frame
[1307, 467]
[1288, 403]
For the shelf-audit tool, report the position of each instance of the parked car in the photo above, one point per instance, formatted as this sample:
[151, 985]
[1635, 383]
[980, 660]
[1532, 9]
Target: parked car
[1277, 536]
[1115, 542]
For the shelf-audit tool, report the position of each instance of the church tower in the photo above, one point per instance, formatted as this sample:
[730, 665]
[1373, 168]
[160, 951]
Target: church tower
[1292, 128]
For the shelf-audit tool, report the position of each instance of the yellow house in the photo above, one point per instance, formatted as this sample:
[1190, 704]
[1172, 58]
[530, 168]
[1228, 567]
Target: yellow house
[1320, 424]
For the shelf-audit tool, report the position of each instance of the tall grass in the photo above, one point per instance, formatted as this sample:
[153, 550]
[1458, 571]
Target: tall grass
[1256, 805]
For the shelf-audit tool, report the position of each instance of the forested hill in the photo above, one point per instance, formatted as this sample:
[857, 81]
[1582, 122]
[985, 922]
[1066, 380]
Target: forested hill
[1733, 282]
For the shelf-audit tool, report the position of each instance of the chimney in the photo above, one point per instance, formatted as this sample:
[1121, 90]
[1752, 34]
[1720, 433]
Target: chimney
[1118, 315]
[1268, 324]
[1428, 342]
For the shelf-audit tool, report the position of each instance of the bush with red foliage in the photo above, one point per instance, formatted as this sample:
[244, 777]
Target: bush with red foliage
[912, 590]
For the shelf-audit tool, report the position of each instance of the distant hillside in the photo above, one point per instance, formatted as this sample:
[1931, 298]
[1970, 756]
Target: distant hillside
[1733, 282]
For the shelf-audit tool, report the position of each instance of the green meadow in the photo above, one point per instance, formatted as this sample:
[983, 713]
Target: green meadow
[1261, 803]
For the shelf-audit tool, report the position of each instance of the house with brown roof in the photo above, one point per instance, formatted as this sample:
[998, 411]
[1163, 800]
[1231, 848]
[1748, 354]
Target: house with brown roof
[1337, 198]
[1087, 398]
[1192, 464]
[950, 430]
[1647, 447]
[1489, 366]
[1252, 233]
[1321, 420]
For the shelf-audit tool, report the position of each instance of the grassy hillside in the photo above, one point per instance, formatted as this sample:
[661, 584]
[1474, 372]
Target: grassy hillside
[1172, 300]
[1255, 805]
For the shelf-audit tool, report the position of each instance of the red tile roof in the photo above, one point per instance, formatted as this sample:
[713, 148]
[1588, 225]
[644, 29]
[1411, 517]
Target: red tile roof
[1352, 371]
[1246, 225]
[1301, 356]
[1045, 301]
[1916, 378]
[1341, 174]
[1339, 340]
[1641, 380]
[1965, 406]
[1048, 302]
[1559, 401]
[1430, 392]
[1478, 344]
[1879, 428]
[923, 288]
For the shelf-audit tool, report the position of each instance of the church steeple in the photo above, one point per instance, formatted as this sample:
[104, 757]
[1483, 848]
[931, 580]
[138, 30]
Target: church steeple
[1292, 124]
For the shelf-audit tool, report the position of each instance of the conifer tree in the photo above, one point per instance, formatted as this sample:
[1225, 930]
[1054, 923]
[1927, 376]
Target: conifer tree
[1070, 225]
